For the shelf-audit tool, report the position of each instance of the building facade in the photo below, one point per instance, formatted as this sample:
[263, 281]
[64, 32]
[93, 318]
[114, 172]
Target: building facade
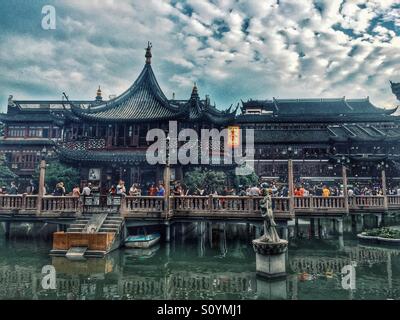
[106, 140]
[322, 134]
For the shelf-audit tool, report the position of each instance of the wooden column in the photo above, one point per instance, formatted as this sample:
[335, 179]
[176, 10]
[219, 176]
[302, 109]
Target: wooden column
[167, 182]
[42, 174]
[345, 191]
[167, 232]
[124, 134]
[291, 186]
[7, 227]
[312, 228]
[115, 135]
[384, 191]
[123, 207]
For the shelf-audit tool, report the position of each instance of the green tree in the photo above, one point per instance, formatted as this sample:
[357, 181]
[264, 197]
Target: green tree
[249, 180]
[209, 180]
[57, 172]
[6, 175]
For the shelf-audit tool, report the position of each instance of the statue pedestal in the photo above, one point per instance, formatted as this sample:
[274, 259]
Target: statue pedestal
[270, 258]
[275, 289]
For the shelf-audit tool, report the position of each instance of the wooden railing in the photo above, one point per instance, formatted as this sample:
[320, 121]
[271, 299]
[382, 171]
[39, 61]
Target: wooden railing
[142, 204]
[225, 203]
[393, 201]
[11, 202]
[193, 203]
[198, 205]
[319, 203]
[29, 203]
[63, 204]
[366, 202]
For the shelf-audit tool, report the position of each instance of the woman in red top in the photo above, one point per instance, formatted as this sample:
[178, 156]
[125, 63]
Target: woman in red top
[152, 191]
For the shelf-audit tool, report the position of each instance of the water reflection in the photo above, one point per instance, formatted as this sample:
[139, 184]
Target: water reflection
[207, 260]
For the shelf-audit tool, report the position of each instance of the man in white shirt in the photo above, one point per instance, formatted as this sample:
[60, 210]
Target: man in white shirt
[86, 190]
[254, 191]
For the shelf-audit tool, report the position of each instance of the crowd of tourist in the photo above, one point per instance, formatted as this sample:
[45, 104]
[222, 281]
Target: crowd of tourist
[302, 189]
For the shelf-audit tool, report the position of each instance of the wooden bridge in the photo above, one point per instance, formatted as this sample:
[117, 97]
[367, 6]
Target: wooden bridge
[36, 208]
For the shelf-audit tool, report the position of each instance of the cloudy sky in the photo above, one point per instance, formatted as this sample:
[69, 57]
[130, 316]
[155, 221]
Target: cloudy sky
[233, 49]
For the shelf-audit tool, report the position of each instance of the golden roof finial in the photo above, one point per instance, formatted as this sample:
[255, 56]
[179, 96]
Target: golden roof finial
[98, 95]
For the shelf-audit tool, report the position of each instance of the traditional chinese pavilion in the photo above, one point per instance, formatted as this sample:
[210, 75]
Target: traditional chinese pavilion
[105, 139]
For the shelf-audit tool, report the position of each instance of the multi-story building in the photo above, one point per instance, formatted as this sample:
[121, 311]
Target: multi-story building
[318, 134]
[106, 140]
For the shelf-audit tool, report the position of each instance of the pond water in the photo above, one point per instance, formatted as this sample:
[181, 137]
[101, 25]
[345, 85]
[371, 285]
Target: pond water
[207, 261]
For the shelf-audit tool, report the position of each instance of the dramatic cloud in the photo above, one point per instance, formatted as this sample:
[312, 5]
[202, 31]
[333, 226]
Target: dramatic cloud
[233, 49]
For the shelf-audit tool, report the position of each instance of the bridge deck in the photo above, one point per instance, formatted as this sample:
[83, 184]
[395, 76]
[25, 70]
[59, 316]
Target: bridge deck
[30, 208]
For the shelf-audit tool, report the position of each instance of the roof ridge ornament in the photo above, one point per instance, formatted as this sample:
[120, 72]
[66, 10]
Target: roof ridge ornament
[148, 54]
[11, 102]
[99, 97]
[195, 92]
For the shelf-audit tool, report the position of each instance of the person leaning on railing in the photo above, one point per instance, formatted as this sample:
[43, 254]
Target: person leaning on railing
[59, 191]
[13, 189]
[326, 192]
[134, 191]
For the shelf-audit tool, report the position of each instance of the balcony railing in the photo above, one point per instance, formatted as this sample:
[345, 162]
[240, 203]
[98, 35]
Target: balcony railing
[366, 202]
[197, 205]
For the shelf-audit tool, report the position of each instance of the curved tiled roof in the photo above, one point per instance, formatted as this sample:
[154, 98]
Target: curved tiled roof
[333, 133]
[144, 100]
[291, 136]
[196, 110]
[101, 156]
[26, 117]
[286, 109]
[355, 132]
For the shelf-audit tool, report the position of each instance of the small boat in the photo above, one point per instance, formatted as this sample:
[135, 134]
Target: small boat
[142, 241]
[142, 253]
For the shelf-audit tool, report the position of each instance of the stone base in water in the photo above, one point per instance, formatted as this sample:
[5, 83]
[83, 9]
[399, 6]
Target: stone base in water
[270, 258]
[275, 289]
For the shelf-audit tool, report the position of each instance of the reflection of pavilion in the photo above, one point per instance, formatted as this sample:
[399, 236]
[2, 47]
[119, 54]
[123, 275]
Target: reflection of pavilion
[213, 266]
[315, 263]
[189, 276]
[121, 276]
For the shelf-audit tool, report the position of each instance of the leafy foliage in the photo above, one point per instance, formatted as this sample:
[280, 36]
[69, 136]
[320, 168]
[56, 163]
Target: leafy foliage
[209, 180]
[6, 175]
[249, 180]
[383, 233]
[57, 172]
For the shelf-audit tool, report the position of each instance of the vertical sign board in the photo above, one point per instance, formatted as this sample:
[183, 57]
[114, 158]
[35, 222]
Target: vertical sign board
[233, 136]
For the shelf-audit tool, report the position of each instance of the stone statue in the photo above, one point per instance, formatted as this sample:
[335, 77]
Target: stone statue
[270, 233]
[269, 248]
